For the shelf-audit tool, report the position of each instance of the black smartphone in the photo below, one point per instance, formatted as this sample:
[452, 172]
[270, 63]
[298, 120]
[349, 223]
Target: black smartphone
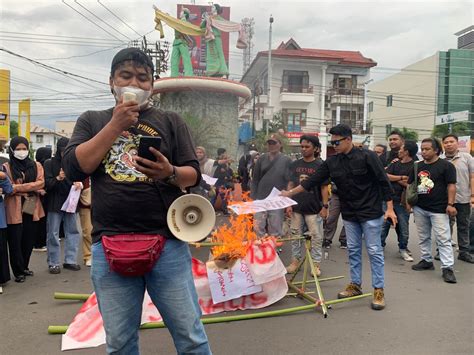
[144, 147]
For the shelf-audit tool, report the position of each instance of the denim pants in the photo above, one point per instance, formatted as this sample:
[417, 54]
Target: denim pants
[170, 285]
[428, 223]
[402, 229]
[72, 241]
[462, 219]
[370, 231]
[314, 223]
[269, 222]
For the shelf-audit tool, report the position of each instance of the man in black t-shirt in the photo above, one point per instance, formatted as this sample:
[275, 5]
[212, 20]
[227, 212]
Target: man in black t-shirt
[129, 200]
[436, 186]
[312, 205]
[398, 173]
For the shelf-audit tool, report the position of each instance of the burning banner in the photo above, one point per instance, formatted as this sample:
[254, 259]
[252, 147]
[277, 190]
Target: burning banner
[261, 267]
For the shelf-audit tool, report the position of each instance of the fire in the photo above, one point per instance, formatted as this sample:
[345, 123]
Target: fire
[236, 235]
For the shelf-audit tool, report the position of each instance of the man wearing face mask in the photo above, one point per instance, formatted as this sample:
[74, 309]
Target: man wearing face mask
[129, 208]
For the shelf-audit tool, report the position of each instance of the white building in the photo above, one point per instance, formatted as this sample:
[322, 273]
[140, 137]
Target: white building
[310, 88]
[406, 99]
[43, 137]
[65, 128]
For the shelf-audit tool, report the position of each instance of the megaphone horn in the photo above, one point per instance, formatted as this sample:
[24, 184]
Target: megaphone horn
[191, 218]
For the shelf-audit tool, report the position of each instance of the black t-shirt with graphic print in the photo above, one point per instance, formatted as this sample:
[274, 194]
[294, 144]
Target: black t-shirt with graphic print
[399, 169]
[433, 180]
[123, 199]
[308, 202]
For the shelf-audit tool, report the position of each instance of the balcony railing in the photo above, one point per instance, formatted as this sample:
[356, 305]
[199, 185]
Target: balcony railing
[346, 91]
[298, 89]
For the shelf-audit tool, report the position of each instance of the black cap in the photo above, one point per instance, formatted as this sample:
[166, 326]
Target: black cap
[135, 54]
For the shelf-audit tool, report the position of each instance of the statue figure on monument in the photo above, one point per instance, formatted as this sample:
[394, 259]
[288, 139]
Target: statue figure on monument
[215, 60]
[181, 49]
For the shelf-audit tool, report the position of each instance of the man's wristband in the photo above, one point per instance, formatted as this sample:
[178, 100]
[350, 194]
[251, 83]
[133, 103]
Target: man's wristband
[173, 178]
[325, 205]
[451, 204]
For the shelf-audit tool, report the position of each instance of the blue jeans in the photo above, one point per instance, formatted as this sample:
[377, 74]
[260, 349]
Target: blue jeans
[428, 223]
[314, 223]
[71, 233]
[370, 230]
[170, 285]
[269, 222]
[403, 217]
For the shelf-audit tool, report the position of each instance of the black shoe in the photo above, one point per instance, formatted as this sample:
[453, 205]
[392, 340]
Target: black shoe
[326, 244]
[343, 245]
[73, 267]
[423, 265]
[28, 272]
[465, 256]
[448, 276]
[20, 278]
[54, 269]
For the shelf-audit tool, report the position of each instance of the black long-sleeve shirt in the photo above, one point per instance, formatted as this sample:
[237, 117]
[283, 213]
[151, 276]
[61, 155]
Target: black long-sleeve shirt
[361, 182]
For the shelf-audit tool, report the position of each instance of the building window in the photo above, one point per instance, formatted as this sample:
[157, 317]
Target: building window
[293, 120]
[345, 84]
[39, 138]
[295, 81]
[371, 106]
[389, 100]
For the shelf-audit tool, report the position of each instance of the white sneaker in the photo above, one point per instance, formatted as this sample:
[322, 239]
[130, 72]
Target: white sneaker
[88, 263]
[405, 256]
[1, 290]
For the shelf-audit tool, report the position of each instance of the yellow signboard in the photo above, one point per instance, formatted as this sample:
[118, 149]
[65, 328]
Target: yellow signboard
[24, 118]
[4, 105]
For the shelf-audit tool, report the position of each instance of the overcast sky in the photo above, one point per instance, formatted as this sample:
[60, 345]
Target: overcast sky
[393, 33]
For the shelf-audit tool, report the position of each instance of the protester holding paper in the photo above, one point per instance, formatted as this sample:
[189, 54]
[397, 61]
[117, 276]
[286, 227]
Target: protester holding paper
[58, 187]
[23, 206]
[271, 171]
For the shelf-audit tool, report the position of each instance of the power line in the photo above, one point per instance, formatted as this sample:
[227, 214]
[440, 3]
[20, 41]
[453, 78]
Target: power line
[118, 18]
[95, 24]
[77, 2]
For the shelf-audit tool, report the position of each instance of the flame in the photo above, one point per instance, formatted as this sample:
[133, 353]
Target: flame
[236, 235]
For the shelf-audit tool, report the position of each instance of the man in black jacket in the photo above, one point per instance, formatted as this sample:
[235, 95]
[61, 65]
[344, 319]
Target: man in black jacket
[362, 186]
[58, 187]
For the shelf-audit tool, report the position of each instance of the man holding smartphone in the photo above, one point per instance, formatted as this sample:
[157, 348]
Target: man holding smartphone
[130, 197]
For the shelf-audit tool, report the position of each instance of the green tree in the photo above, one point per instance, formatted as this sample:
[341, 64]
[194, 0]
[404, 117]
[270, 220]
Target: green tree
[407, 133]
[13, 128]
[459, 129]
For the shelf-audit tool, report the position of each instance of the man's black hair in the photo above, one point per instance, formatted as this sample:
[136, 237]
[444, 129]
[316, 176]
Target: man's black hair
[435, 144]
[398, 133]
[411, 147]
[451, 135]
[383, 146]
[342, 130]
[220, 151]
[136, 55]
[312, 139]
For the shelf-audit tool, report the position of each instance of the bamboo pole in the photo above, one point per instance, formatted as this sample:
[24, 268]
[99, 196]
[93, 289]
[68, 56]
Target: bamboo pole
[320, 280]
[61, 329]
[71, 296]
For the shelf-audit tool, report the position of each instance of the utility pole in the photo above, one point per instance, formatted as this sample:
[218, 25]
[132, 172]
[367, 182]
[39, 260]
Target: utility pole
[269, 69]
[157, 51]
[248, 26]
[364, 126]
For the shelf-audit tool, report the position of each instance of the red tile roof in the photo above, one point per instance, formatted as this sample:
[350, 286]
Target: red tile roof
[342, 57]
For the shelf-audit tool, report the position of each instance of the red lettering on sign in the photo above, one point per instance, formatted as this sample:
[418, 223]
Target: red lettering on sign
[265, 254]
[199, 269]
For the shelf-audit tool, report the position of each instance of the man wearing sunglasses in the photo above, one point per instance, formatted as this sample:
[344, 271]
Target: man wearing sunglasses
[362, 186]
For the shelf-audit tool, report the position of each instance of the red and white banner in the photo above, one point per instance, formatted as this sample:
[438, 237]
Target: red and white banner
[86, 329]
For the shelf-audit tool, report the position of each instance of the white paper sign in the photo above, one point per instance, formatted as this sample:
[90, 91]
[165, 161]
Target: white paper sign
[72, 200]
[264, 263]
[272, 202]
[227, 284]
[209, 180]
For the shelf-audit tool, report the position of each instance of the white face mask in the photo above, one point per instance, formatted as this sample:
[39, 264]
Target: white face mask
[21, 154]
[142, 95]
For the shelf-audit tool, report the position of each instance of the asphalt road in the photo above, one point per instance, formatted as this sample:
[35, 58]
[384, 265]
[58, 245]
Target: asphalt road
[424, 315]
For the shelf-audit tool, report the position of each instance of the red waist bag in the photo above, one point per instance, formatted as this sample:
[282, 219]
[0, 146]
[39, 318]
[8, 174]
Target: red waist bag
[132, 254]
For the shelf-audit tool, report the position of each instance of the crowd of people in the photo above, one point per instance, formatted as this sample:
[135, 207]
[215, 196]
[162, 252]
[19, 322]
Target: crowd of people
[132, 250]
[32, 212]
